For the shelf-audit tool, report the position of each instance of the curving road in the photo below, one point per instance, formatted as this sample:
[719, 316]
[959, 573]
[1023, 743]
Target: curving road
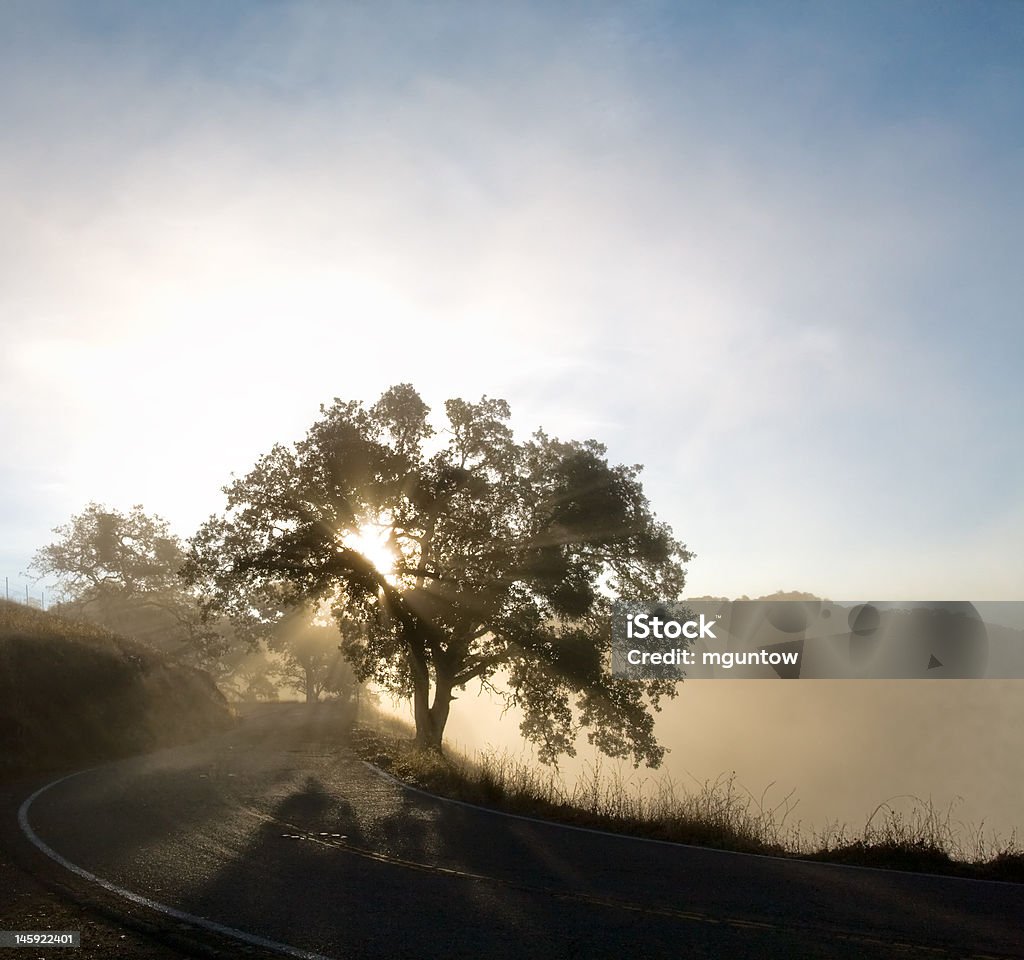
[271, 836]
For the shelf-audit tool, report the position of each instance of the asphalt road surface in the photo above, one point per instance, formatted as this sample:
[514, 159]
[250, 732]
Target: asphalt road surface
[274, 835]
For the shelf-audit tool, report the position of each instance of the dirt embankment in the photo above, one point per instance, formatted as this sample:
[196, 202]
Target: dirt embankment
[72, 694]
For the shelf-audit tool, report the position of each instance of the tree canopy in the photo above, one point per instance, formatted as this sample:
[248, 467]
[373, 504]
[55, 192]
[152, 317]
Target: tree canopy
[460, 555]
[121, 570]
[310, 659]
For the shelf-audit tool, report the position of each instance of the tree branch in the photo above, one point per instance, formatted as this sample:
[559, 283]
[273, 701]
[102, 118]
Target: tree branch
[481, 665]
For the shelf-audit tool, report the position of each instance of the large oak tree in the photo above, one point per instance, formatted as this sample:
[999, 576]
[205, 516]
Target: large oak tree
[459, 555]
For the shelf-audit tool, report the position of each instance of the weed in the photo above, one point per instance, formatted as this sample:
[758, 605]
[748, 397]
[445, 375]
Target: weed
[903, 833]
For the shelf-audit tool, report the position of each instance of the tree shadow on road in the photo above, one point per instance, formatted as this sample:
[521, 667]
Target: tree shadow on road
[388, 874]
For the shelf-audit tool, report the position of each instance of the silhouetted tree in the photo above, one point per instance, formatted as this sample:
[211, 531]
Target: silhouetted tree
[121, 570]
[504, 555]
[256, 683]
[311, 662]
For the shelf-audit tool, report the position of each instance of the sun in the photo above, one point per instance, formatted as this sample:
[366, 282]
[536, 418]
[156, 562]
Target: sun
[371, 541]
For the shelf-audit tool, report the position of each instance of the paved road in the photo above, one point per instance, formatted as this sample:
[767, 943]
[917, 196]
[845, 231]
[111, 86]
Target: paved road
[271, 831]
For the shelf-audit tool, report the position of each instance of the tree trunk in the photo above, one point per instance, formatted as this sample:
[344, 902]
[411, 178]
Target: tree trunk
[311, 694]
[439, 711]
[430, 718]
[421, 699]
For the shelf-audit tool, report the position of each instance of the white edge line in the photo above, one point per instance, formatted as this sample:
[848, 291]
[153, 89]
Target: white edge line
[190, 918]
[671, 843]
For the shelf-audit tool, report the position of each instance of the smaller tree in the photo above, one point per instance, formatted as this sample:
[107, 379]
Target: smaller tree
[121, 571]
[257, 684]
[311, 662]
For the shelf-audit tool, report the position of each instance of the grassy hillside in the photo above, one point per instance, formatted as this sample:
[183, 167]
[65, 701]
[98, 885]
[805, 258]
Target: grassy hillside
[717, 813]
[73, 694]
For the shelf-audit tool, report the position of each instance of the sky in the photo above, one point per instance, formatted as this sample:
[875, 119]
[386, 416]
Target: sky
[769, 250]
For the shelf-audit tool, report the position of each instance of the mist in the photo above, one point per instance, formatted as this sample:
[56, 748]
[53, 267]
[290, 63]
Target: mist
[841, 747]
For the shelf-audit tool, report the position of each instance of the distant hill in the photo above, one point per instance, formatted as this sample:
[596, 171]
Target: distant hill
[778, 595]
[73, 694]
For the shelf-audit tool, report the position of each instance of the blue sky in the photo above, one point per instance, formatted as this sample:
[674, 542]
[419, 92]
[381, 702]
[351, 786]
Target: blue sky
[771, 251]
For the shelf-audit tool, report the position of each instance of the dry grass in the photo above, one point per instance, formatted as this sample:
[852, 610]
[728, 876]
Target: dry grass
[908, 833]
[914, 834]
